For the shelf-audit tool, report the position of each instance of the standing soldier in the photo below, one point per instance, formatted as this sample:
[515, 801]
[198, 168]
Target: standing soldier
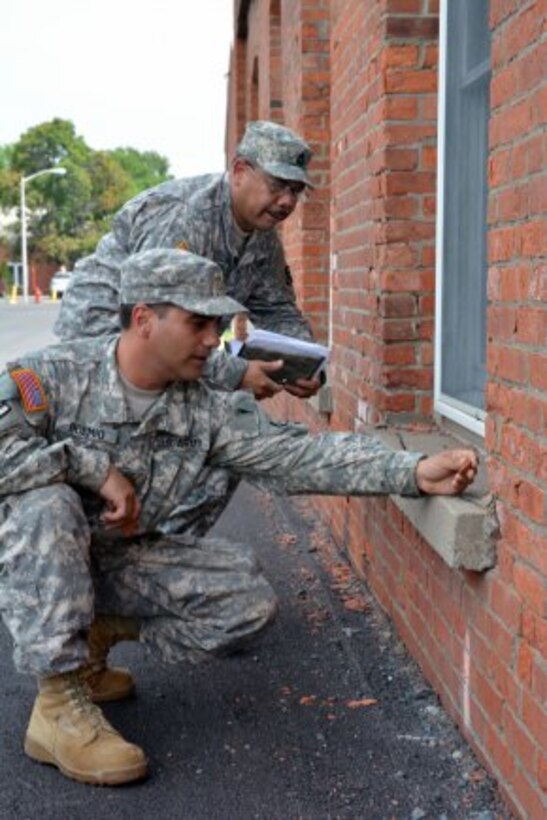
[229, 218]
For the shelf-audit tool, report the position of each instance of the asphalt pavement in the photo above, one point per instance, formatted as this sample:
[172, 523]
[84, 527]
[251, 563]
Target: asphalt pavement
[25, 326]
[327, 717]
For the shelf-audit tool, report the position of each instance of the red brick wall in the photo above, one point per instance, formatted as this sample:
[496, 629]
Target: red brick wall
[517, 372]
[306, 103]
[480, 638]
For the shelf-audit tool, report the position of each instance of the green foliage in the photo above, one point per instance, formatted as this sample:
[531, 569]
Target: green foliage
[5, 156]
[144, 169]
[67, 215]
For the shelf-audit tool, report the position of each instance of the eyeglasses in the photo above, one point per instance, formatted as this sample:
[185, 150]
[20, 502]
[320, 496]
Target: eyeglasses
[277, 187]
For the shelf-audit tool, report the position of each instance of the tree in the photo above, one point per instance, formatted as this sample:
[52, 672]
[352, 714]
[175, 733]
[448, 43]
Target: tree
[68, 214]
[145, 169]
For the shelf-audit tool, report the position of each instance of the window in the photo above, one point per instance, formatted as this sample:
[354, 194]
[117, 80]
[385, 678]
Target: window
[464, 78]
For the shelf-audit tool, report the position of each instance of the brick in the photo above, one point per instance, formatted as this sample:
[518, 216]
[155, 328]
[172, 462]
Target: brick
[502, 9]
[504, 85]
[403, 6]
[502, 322]
[406, 133]
[400, 108]
[527, 544]
[539, 677]
[419, 378]
[507, 363]
[530, 499]
[412, 280]
[537, 194]
[522, 29]
[399, 55]
[509, 123]
[401, 182]
[502, 245]
[542, 772]
[530, 585]
[397, 403]
[397, 304]
[522, 450]
[531, 805]
[534, 718]
[400, 207]
[531, 325]
[538, 371]
[403, 27]
[499, 751]
[400, 159]
[411, 82]
[499, 167]
[532, 238]
[524, 663]
[399, 354]
[396, 256]
[505, 604]
[429, 157]
[520, 742]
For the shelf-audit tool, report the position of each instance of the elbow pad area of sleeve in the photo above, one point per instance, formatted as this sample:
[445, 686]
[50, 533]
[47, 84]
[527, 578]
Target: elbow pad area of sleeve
[246, 418]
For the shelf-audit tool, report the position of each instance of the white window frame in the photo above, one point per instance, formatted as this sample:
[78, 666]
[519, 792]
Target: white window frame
[469, 417]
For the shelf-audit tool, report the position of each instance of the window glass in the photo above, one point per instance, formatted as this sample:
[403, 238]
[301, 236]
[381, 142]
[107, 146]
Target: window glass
[464, 204]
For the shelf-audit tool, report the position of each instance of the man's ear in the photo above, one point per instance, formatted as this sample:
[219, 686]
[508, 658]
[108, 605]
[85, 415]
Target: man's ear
[239, 167]
[142, 320]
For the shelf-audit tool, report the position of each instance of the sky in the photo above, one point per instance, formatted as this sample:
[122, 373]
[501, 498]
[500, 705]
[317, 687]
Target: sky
[127, 74]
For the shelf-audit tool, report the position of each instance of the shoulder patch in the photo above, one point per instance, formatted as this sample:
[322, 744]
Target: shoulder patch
[31, 390]
[183, 246]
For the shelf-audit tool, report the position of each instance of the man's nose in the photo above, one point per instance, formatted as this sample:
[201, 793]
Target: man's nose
[212, 335]
[288, 198]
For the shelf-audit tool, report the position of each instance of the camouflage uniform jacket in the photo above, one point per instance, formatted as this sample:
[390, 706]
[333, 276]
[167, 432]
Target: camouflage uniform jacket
[182, 453]
[194, 214]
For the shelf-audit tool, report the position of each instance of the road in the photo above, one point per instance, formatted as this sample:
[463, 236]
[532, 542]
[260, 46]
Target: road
[25, 327]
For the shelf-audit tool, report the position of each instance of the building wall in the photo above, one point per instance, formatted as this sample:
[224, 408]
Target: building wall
[359, 81]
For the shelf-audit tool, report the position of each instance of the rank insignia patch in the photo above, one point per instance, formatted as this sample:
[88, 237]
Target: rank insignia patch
[31, 390]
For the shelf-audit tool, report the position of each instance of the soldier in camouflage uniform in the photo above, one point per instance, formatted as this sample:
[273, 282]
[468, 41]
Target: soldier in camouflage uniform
[229, 218]
[111, 451]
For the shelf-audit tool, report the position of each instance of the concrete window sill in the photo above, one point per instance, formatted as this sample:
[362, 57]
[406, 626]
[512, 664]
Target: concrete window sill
[461, 529]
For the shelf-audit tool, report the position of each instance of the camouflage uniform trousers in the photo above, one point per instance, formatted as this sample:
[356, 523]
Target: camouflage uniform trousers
[194, 597]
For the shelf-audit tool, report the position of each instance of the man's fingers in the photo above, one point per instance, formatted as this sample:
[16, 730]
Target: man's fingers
[271, 367]
[468, 466]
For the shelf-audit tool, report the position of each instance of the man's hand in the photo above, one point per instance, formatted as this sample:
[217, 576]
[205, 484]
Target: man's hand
[123, 506]
[304, 388]
[256, 379]
[447, 473]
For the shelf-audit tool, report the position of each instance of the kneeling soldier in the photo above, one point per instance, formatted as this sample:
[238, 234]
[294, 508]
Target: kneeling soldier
[113, 457]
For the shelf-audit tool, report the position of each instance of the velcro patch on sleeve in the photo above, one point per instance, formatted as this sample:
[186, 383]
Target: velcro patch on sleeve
[31, 390]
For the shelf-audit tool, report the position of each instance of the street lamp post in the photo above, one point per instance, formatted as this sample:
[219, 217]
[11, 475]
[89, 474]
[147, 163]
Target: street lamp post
[24, 257]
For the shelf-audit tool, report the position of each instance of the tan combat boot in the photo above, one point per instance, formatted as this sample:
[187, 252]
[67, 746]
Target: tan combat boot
[67, 730]
[108, 683]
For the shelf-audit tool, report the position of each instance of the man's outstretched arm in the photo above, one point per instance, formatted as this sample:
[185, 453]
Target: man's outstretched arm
[284, 458]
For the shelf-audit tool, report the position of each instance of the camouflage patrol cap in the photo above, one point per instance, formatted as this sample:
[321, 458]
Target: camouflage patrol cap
[178, 277]
[277, 150]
